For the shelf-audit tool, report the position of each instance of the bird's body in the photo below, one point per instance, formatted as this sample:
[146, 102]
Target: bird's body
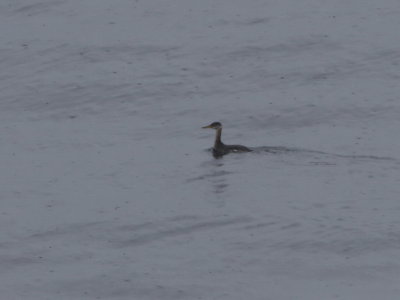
[220, 149]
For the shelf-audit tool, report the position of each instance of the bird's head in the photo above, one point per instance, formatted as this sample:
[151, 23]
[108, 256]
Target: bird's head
[214, 125]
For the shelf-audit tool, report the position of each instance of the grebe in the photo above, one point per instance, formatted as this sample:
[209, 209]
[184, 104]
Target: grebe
[220, 148]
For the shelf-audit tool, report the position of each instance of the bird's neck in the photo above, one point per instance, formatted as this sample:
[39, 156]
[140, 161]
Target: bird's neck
[218, 137]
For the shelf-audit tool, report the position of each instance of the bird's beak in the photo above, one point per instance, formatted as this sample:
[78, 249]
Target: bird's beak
[208, 126]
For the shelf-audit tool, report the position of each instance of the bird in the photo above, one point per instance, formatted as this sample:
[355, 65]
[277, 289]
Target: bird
[220, 149]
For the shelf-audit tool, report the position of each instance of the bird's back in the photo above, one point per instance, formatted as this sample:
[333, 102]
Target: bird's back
[237, 148]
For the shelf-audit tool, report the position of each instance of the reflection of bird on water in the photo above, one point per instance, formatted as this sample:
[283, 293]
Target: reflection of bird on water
[220, 148]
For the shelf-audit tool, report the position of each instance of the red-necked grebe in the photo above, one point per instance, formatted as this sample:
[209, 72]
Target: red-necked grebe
[220, 148]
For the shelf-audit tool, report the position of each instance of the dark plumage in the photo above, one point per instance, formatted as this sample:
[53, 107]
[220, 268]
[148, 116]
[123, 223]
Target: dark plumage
[220, 149]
